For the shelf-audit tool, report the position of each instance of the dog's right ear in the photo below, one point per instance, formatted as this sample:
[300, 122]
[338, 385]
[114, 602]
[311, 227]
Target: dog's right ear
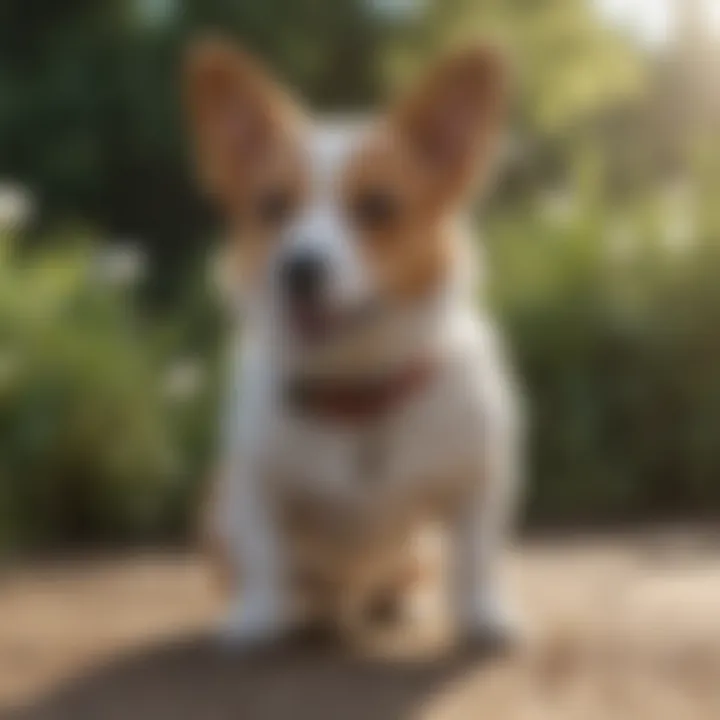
[239, 116]
[452, 119]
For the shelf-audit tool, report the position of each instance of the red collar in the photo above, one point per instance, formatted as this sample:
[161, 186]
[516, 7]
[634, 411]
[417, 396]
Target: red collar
[357, 400]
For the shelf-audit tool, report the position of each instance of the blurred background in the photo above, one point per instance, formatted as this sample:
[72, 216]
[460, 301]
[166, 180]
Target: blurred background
[603, 235]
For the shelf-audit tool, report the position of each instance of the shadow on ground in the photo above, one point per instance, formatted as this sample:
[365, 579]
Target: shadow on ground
[194, 680]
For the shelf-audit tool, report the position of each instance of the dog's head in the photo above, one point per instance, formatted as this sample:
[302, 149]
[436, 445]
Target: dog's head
[333, 220]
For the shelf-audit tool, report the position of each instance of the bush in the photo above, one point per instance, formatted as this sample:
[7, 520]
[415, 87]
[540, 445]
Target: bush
[614, 323]
[98, 431]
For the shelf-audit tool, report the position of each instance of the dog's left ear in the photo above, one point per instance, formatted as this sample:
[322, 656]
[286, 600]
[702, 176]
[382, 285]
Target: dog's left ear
[239, 115]
[451, 122]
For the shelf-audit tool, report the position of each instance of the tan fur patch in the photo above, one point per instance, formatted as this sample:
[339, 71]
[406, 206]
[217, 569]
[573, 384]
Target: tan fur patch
[239, 116]
[252, 239]
[247, 133]
[452, 118]
[411, 253]
[427, 155]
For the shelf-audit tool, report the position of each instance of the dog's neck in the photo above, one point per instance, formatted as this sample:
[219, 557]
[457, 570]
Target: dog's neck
[357, 399]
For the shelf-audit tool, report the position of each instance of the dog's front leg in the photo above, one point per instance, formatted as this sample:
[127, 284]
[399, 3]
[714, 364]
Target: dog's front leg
[244, 521]
[482, 608]
[259, 610]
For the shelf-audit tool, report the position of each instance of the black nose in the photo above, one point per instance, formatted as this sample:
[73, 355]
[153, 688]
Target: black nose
[303, 275]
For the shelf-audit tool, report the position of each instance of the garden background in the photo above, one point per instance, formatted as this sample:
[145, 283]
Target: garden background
[603, 236]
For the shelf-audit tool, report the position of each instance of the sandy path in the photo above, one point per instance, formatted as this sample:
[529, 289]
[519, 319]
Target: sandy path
[627, 627]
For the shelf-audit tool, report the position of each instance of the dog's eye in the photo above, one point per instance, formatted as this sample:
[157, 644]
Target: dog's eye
[274, 206]
[375, 209]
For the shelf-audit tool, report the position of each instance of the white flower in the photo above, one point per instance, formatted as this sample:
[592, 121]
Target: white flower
[156, 12]
[120, 264]
[183, 380]
[16, 206]
[396, 10]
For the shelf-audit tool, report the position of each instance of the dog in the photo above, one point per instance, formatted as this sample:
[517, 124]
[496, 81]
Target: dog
[370, 408]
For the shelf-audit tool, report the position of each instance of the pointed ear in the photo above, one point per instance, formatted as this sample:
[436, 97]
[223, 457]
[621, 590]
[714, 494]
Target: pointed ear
[451, 122]
[238, 115]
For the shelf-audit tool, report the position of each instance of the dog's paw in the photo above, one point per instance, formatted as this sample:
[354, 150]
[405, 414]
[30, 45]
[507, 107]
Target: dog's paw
[251, 625]
[494, 625]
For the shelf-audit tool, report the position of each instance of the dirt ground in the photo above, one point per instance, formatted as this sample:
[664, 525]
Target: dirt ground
[621, 627]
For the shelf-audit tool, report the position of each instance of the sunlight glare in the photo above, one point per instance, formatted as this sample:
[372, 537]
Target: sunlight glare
[650, 20]
[713, 10]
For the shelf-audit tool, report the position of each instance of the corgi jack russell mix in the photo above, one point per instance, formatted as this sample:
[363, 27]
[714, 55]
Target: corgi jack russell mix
[369, 401]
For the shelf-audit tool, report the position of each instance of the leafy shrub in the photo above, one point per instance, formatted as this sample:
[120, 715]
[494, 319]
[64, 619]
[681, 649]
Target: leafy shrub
[614, 324]
[94, 442]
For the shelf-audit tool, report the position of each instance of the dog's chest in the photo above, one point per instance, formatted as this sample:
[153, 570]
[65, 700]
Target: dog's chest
[383, 470]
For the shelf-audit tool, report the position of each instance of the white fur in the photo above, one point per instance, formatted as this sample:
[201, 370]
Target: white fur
[322, 227]
[449, 454]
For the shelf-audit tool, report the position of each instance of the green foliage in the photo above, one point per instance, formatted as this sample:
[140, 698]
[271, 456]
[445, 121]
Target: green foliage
[608, 289]
[568, 65]
[95, 441]
[614, 328]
